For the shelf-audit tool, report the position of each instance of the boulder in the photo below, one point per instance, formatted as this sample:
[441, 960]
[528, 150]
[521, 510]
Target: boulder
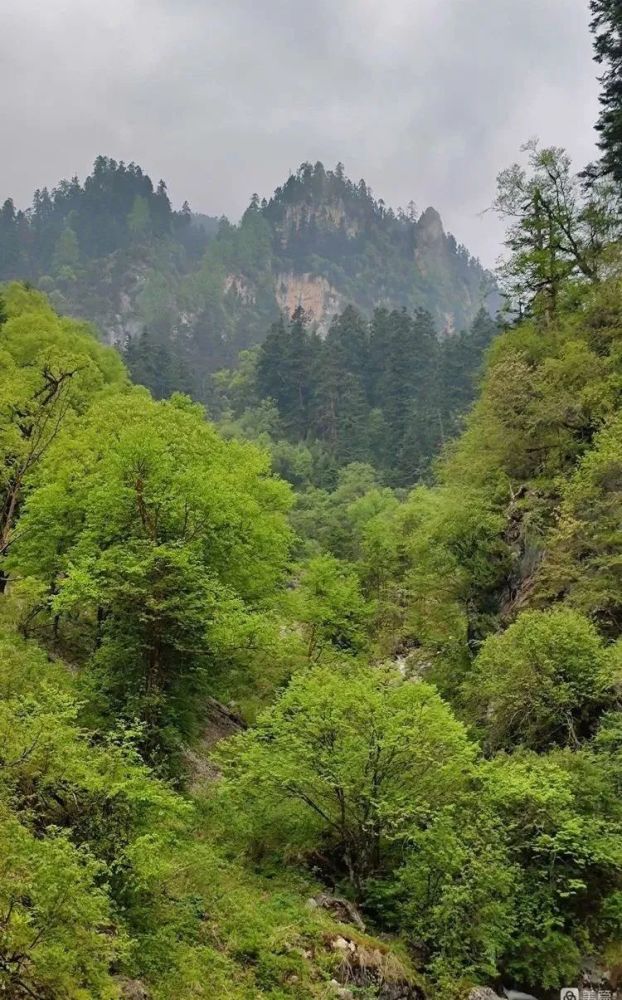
[342, 909]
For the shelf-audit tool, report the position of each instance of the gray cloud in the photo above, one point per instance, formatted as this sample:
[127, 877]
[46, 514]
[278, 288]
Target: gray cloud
[426, 99]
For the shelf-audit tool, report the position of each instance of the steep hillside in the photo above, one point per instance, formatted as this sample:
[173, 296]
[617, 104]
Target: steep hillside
[113, 251]
[326, 226]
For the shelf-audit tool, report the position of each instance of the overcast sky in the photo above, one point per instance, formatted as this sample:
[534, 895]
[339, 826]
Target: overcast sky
[425, 99]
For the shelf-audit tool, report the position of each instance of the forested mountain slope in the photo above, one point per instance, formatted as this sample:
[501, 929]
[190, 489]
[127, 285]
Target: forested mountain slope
[332, 736]
[152, 557]
[431, 681]
[113, 251]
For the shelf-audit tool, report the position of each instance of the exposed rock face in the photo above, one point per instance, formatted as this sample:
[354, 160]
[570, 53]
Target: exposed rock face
[315, 295]
[527, 552]
[240, 286]
[326, 215]
[430, 230]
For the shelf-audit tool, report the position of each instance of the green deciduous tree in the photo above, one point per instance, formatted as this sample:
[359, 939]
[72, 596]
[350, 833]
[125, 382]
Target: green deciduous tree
[54, 917]
[331, 607]
[543, 682]
[346, 760]
[51, 369]
[159, 543]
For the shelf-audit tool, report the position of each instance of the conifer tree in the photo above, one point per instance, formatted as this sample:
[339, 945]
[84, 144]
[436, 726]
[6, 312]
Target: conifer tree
[606, 25]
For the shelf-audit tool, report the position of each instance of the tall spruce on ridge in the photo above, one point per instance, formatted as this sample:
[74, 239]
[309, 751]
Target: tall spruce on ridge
[606, 25]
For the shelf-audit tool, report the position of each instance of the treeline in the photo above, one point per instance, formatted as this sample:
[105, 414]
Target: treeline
[116, 206]
[112, 249]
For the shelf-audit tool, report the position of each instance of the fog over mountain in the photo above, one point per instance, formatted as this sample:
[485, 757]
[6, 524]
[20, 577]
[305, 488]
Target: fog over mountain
[427, 101]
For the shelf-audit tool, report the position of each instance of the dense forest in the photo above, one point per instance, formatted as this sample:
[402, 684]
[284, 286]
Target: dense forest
[199, 289]
[318, 694]
[385, 392]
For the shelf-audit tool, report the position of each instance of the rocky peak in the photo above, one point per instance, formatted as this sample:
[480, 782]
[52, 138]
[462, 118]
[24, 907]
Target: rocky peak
[430, 227]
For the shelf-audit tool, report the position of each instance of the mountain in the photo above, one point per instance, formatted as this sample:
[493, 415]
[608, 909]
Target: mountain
[113, 250]
[336, 244]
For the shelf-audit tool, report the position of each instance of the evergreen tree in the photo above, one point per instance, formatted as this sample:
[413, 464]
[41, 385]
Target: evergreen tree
[340, 405]
[285, 372]
[408, 351]
[461, 362]
[607, 28]
[270, 365]
[160, 366]
[9, 248]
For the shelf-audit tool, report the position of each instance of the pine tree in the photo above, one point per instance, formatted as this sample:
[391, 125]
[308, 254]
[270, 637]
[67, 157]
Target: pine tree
[299, 363]
[461, 361]
[606, 25]
[407, 350]
[270, 363]
[9, 250]
[159, 365]
[341, 396]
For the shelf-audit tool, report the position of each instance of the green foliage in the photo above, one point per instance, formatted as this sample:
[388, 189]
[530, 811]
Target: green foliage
[102, 877]
[557, 232]
[330, 607]
[455, 894]
[70, 810]
[50, 371]
[345, 761]
[569, 858]
[380, 392]
[53, 934]
[583, 562]
[456, 559]
[158, 544]
[543, 682]
[152, 363]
